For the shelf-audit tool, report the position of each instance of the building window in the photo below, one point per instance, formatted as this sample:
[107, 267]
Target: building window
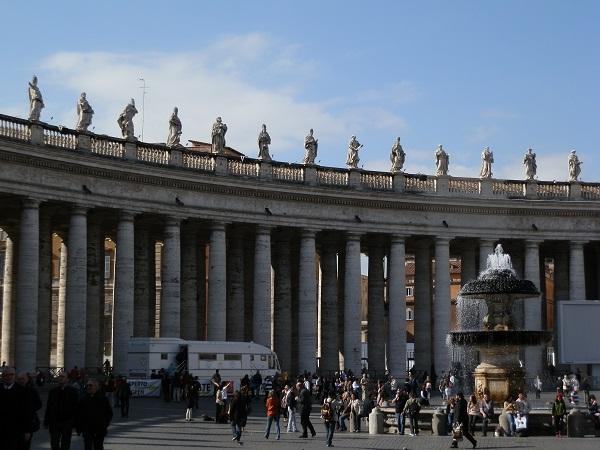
[164, 356]
[233, 357]
[409, 291]
[409, 314]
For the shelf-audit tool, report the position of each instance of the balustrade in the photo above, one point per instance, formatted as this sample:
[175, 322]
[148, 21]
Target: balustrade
[58, 138]
[590, 191]
[332, 177]
[509, 188]
[153, 154]
[243, 168]
[419, 183]
[14, 128]
[107, 147]
[377, 180]
[293, 174]
[468, 186]
[194, 160]
[552, 190]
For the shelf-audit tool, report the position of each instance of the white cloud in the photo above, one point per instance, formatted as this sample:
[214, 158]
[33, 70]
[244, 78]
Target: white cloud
[482, 133]
[247, 80]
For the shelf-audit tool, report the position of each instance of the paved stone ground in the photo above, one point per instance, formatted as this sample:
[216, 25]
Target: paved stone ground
[156, 425]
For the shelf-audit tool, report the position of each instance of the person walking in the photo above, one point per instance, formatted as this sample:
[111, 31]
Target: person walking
[16, 412]
[123, 395]
[305, 405]
[462, 418]
[559, 410]
[24, 380]
[191, 397]
[328, 416]
[273, 407]
[399, 404]
[537, 384]
[473, 412]
[93, 417]
[290, 394]
[61, 409]
[412, 409]
[238, 414]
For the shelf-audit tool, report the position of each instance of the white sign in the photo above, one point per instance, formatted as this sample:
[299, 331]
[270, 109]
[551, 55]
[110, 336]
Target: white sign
[145, 388]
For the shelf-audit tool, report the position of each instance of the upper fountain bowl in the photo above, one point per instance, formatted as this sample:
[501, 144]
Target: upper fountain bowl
[498, 281]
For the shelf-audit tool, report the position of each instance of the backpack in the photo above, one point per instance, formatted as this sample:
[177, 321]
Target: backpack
[326, 413]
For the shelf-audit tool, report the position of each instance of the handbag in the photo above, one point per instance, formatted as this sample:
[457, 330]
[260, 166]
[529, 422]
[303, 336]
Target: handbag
[457, 433]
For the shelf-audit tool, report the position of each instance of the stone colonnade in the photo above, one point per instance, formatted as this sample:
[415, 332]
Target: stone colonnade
[296, 290]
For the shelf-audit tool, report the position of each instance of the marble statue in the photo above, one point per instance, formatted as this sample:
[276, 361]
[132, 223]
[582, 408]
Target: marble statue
[487, 158]
[173, 140]
[218, 136]
[441, 161]
[310, 145]
[36, 103]
[574, 167]
[530, 164]
[397, 157]
[84, 113]
[352, 159]
[125, 120]
[264, 140]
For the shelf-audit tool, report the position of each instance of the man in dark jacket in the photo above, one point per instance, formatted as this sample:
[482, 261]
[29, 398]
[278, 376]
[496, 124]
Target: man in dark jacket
[93, 417]
[24, 380]
[462, 417]
[61, 408]
[305, 405]
[16, 412]
[123, 395]
[238, 413]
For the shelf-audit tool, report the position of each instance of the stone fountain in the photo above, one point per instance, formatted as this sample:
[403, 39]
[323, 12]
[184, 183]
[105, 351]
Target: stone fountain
[500, 372]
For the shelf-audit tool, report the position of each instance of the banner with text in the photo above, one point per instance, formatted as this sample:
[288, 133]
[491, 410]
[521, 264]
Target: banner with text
[145, 388]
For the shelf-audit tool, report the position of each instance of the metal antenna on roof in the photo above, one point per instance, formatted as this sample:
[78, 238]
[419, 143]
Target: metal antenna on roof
[143, 87]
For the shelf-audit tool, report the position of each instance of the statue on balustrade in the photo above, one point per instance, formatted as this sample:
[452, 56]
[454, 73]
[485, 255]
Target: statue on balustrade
[397, 156]
[173, 140]
[574, 167]
[487, 158]
[125, 121]
[264, 140]
[84, 113]
[530, 164]
[36, 103]
[352, 159]
[218, 136]
[310, 145]
[441, 161]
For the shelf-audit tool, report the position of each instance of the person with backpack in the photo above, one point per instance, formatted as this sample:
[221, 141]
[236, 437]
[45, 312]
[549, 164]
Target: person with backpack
[559, 410]
[412, 409]
[328, 417]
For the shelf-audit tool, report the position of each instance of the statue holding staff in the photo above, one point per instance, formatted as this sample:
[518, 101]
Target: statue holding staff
[397, 157]
[125, 120]
[353, 147]
[530, 164]
[218, 136]
[85, 113]
[487, 158]
[36, 102]
[574, 167]
[173, 140]
[264, 140]
[441, 161]
[310, 145]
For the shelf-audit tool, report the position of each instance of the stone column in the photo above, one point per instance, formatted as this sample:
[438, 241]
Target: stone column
[397, 307]
[45, 293]
[124, 291]
[62, 303]
[235, 287]
[170, 325]
[282, 302]
[561, 288]
[144, 293]
[216, 322]
[8, 303]
[376, 308]
[307, 303]
[576, 271]
[533, 307]
[422, 296]
[95, 294]
[75, 305]
[202, 290]
[468, 262]
[328, 311]
[261, 323]
[486, 247]
[352, 304]
[189, 283]
[441, 305]
[27, 287]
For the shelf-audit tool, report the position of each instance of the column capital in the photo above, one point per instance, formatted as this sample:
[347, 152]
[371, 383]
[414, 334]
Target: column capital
[488, 241]
[443, 240]
[31, 203]
[126, 215]
[577, 242]
[172, 221]
[79, 210]
[308, 233]
[263, 229]
[218, 226]
[398, 238]
[353, 236]
[533, 242]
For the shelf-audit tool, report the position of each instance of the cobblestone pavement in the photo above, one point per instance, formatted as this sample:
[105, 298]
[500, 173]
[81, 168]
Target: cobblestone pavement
[156, 425]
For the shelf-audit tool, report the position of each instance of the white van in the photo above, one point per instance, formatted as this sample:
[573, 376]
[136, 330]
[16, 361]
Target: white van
[233, 359]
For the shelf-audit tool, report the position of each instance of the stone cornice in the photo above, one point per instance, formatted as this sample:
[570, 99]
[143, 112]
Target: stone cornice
[175, 178]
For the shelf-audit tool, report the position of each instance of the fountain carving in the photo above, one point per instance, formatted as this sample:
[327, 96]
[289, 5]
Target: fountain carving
[500, 372]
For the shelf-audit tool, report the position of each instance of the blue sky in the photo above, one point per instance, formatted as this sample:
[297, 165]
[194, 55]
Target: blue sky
[465, 74]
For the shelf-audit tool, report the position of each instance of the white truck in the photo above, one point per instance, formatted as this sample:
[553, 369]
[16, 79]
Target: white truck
[233, 359]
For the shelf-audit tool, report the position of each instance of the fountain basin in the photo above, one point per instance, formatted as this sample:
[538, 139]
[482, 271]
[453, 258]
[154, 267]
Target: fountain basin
[499, 283]
[504, 338]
